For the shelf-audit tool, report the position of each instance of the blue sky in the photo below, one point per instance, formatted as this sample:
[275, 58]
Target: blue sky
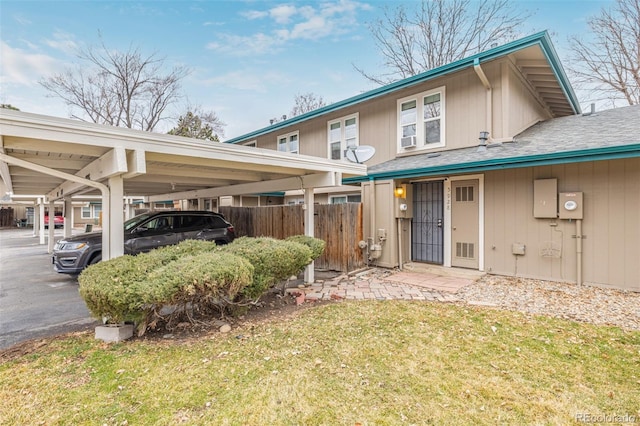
[248, 59]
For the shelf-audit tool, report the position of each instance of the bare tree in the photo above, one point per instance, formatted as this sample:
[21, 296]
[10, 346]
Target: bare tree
[123, 89]
[610, 64]
[199, 124]
[439, 32]
[306, 102]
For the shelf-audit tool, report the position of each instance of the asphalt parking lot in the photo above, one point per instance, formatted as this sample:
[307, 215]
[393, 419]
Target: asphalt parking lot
[35, 301]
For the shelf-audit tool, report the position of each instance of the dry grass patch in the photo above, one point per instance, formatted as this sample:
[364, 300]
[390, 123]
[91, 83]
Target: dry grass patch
[345, 363]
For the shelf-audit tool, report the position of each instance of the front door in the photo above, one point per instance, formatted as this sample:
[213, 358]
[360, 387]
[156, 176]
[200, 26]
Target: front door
[465, 224]
[427, 242]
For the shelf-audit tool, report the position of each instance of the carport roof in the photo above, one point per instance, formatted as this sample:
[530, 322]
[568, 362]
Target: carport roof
[155, 165]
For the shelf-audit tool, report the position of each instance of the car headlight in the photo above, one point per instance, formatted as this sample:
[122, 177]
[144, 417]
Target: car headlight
[72, 246]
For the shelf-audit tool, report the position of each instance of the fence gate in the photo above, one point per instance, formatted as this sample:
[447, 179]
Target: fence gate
[339, 225]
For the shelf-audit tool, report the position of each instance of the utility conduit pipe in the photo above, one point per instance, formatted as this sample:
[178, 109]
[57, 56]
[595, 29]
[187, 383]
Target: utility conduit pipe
[579, 251]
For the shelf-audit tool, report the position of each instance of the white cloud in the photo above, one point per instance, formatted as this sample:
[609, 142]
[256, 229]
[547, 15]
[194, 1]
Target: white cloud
[63, 42]
[292, 23]
[245, 80]
[254, 14]
[246, 45]
[21, 20]
[19, 67]
[282, 14]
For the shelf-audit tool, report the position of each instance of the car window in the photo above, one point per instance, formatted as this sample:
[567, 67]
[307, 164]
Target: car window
[218, 222]
[160, 223]
[135, 221]
[193, 221]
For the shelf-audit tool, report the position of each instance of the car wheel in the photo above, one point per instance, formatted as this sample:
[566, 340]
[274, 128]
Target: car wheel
[95, 259]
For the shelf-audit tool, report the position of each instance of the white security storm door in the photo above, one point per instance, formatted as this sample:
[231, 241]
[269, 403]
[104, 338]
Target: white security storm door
[427, 237]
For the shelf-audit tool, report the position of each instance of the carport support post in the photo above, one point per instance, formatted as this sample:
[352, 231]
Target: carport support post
[36, 217]
[129, 211]
[41, 219]
[68, 217]
[52, 227]
[309, 272]
[113, 223]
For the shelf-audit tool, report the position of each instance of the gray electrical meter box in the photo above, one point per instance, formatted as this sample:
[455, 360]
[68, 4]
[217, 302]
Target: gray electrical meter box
[545, 198]
[570, 205]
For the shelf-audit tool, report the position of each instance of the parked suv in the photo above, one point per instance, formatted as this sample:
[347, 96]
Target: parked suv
[141, 234]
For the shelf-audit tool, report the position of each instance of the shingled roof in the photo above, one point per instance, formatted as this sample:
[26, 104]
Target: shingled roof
[604, 135]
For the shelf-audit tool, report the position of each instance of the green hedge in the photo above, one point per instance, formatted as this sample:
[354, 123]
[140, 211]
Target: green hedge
[193, 273]
[315, 244]
[273, 261]
[206, 279]
[118, 289]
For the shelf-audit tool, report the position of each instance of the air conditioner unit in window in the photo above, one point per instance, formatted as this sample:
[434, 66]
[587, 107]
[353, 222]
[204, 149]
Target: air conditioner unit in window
[408, 141]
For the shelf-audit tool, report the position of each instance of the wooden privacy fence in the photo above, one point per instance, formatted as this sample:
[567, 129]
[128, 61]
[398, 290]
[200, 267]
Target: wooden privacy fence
[6, 217]
[339, 225]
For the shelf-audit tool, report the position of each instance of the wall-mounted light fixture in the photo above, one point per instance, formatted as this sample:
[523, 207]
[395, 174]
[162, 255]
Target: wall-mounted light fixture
[398, 192]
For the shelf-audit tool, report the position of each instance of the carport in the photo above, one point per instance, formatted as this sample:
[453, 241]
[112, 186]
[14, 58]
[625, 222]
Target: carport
[54, 159]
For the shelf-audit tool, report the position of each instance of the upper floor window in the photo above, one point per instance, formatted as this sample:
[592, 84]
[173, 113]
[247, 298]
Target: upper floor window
[289, 143]
[421, 120]
[253, 144]
[342, 134]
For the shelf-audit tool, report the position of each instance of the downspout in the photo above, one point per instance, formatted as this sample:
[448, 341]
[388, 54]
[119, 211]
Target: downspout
[372, 219]
[104, 190]
[399, 223]
[485, 82]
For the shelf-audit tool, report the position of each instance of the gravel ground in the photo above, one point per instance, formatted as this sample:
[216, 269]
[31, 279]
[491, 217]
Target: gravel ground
[563, 300]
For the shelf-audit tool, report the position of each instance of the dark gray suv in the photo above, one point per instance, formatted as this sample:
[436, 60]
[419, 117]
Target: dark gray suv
[141, 234]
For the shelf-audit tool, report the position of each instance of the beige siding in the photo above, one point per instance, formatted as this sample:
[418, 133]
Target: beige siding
[383, 219]
[465, 116]
[523, 110]
[611, 253]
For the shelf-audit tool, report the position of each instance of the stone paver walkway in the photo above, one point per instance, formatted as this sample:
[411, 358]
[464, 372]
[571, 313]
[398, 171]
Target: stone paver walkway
[386, 286]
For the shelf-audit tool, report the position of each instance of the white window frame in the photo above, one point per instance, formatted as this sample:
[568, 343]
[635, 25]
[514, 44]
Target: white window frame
[342, 199]
[253, 143]
[91, 210]
[420, 120]
[288, 137]
[343, 134]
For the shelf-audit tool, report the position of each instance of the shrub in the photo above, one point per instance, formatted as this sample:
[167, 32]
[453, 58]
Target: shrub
[191, 275]
[273, 261]
[315, 244]
[205, 279]
[119, 289]
[108, 288]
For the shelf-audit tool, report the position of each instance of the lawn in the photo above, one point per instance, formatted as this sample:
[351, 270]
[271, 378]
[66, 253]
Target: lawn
[348, 363]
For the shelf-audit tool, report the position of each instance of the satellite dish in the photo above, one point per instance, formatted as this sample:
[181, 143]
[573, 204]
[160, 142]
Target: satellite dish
[359, 154]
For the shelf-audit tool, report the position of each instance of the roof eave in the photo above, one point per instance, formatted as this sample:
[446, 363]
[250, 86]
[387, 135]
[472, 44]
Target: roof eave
[567, 157]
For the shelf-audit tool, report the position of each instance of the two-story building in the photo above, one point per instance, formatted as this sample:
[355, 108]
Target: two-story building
[486, 163]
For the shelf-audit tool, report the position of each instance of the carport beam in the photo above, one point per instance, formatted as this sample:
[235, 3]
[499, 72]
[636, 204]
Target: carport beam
[104, 191]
